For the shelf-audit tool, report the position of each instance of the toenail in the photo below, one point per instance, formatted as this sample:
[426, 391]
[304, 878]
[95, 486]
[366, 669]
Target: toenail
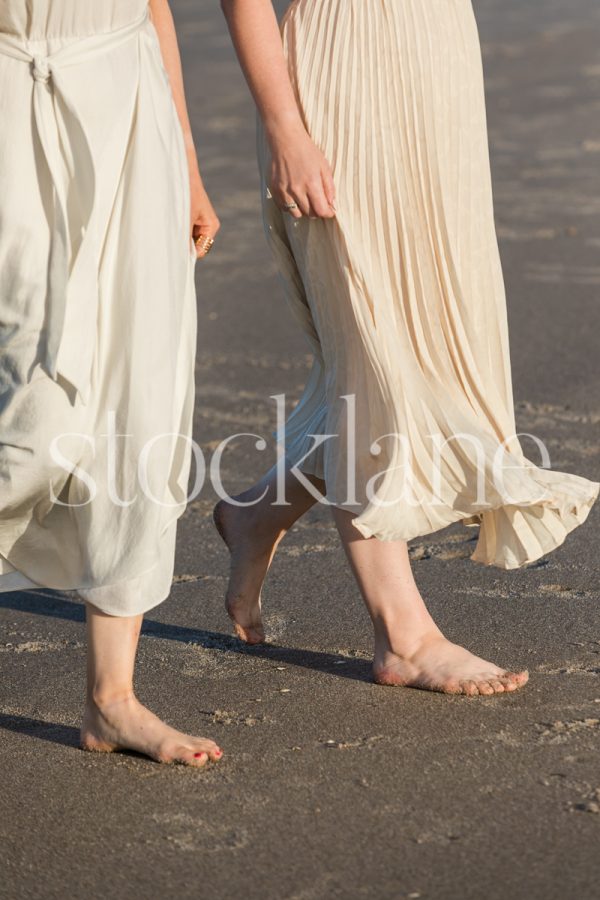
[199, 755]
[218, 753]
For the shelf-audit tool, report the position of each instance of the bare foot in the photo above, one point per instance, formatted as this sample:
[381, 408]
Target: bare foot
[251, 556]
[439, 665]
[124, 724]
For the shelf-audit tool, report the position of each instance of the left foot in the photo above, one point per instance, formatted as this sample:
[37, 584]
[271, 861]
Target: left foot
[251, 555]
[124, 724]
[439, 665]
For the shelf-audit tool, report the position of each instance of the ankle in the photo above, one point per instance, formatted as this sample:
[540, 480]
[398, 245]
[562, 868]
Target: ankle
[403, 637]
[104, 696]
[257, 533]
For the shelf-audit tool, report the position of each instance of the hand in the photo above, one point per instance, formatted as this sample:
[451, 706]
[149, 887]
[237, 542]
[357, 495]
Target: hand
[300, 174]
[204, 221]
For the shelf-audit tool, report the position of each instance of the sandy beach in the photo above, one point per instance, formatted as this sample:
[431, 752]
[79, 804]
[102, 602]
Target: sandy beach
[332, 787]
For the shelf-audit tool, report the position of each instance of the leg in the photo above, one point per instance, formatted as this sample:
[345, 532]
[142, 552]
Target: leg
[409, 647]
[252, 534]
[114, 719]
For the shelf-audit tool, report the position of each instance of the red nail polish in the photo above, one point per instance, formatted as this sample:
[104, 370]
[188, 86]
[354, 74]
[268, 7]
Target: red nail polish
[199, 755]
[218, 753]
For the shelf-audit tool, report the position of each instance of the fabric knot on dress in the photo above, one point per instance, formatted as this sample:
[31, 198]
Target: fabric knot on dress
[41, 69]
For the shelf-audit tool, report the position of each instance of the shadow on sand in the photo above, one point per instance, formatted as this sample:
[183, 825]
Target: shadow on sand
[53, 604]
[53, 732]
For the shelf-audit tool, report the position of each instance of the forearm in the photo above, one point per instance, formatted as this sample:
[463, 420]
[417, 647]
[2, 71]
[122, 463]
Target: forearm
[203, 219]
[169, 47]
[255, 34]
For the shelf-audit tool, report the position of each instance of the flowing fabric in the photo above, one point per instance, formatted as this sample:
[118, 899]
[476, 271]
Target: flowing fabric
[97, 304]
[401, 296]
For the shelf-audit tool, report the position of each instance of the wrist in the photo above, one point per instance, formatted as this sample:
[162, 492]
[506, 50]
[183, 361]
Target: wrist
[189, 144]
[279, 129]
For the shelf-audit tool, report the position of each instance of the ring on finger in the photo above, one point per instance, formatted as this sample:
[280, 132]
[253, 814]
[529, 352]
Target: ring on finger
[204, 243]
[289, 206]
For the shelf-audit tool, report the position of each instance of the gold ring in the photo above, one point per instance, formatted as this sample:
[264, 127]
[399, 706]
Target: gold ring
[204, 243]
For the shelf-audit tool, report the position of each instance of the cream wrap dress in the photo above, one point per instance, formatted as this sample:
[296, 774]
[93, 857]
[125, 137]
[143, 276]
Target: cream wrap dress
[97, 304]
[401, 296]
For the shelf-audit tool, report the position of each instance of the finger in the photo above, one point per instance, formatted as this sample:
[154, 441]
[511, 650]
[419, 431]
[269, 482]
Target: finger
[292, 208]
[304, 207]
[319, 204]
[202, 249]
[321, 208]
[203, 234]
[208, 227]
[204, 243]
[286, 203]
[329, 188]
[291, 205]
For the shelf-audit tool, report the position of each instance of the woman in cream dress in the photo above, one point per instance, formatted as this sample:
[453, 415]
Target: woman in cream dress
[98, 179]
[378, 206]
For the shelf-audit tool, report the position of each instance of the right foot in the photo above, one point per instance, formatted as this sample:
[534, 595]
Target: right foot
[251, 557]
[124, 724]
[436, 664]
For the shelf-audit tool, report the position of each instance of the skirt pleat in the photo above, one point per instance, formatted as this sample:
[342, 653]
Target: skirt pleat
[401, 296]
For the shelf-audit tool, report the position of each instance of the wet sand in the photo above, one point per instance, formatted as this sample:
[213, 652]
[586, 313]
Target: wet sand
[331, 786]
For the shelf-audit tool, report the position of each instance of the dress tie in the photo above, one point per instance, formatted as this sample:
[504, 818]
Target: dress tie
[72, 284]
[41, 69]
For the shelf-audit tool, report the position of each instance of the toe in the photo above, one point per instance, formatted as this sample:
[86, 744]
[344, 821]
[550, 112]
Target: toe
[485, 688]
[209, 748]
[190, 757]
[215, 754]
[513, 680]
[497, 685]
[249, 635]
[198, 760]
[469, 688]
[449, 687]
[255, 636]
[240, 632]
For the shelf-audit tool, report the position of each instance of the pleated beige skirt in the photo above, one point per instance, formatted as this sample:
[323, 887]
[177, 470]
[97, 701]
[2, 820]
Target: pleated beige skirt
[408, 411]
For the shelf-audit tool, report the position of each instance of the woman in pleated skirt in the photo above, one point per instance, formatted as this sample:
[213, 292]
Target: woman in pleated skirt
[377, 202]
